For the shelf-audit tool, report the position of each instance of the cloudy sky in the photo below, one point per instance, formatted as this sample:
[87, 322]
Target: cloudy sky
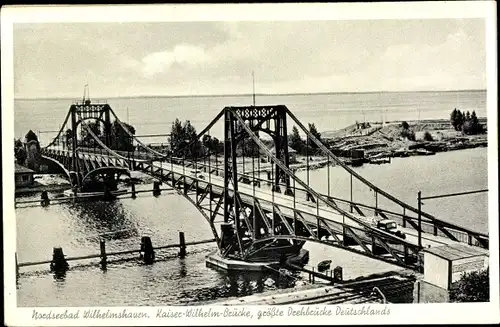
[193, 58]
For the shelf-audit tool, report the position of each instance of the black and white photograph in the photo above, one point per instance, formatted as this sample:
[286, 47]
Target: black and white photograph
[201, 167]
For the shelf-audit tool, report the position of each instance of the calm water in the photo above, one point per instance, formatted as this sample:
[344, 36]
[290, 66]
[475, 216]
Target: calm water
[175, 281]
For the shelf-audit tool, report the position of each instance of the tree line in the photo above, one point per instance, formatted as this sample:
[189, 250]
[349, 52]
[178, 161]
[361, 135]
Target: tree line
[466, 122]
[184, 139]
[298, 144]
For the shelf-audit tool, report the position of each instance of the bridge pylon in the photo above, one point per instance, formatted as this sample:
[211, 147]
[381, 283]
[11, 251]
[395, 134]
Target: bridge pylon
[100, 113]
[271, 120]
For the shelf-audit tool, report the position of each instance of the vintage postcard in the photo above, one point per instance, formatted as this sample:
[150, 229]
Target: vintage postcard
[250, 164]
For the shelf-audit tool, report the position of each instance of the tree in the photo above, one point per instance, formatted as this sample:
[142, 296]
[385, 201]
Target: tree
[183, 135]
[296, 141]
[471, 287]
[472, 126]
[460, 120]
[120, 139]
[453, 118]
[315, 133]
[30, 136]
[18, 143]
[428, 137]
[176, 135]
[20, 152]
[191, 139]
[407, 132]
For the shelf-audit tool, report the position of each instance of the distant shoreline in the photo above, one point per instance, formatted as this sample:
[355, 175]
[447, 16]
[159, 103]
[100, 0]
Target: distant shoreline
[244, 95]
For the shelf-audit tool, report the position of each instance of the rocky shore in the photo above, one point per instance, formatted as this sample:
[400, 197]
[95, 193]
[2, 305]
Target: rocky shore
[375, 141]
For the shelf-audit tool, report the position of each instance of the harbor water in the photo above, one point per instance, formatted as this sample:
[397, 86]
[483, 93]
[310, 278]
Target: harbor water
[174, 281]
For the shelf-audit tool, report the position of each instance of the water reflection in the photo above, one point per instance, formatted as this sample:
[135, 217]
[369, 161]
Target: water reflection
[105, 219]
[235, 284]
[183, 270]
[59, 276]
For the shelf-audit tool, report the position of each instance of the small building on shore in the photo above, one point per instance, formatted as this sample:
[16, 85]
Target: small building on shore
[23, 176]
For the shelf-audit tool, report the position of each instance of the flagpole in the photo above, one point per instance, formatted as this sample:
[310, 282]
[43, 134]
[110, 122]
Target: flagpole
[253, 84]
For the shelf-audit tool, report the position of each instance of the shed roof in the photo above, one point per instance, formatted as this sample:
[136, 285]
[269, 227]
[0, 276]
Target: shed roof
[22, 170]
[456, 251]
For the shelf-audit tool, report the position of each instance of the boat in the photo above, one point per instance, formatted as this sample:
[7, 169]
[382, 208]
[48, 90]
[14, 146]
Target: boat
[324, 265]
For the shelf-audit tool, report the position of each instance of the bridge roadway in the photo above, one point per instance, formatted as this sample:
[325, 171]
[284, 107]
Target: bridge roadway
[285, 203]
[266, 197]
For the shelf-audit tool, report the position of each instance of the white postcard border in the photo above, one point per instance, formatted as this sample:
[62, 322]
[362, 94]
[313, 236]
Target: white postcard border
[404, 313]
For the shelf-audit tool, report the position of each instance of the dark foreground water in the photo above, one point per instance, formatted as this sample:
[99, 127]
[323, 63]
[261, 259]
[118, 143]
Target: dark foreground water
[174, 281]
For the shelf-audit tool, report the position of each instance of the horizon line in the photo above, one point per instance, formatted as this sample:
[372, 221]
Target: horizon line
[242, 94]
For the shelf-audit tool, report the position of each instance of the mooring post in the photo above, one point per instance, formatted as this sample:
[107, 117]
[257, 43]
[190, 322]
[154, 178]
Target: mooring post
[156, 188]
[182, 245]
[103, 253]
[133, 191]
[45, 199]
[337, 274]
[148, 255]
[59, 263]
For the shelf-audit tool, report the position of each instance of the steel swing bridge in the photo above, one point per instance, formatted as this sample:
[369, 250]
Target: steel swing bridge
[261, 211]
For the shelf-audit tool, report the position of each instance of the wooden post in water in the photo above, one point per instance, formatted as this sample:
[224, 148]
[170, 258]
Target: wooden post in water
[59, 263]
[103, 254]
[156, 188]
[148, 253]
[133, 191]
[182, 245]
[45, 199]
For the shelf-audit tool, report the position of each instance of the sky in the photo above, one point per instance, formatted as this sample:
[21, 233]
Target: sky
[203, 58]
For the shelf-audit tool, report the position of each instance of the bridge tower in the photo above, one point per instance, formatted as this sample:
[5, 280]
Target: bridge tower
[79, 112]
[271, 120]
